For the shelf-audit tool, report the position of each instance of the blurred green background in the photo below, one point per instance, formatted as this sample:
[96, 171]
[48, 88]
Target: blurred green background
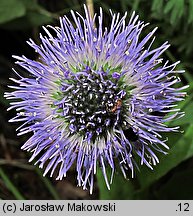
[172, 178]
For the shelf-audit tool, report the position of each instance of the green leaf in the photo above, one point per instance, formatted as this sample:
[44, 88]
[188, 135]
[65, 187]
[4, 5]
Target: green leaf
[37, 15]
[190, 18]
[174, 187]
[11, 9]
[48, 184]
[10, 185]
[178, 11]
[187, 118]
[37, 19]
[189, 77]
[33, 18]
[181, 149]
[157, 5]
[176, 7]
[169, 6]
[187, 107]
[30, 4]
[121, 188]
[135, 5]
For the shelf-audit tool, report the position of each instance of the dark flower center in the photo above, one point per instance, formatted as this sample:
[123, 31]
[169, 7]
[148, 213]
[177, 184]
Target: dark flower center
[91, 102]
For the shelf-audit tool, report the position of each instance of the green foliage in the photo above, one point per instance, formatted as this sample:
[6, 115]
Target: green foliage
[36, 15]
[10, 185]
[157, 5]
[117, 191]
[11, 9]
[176, 7]
[190, 18]
[20, 14]
[174, 189]
[48, 184]
[181, 149]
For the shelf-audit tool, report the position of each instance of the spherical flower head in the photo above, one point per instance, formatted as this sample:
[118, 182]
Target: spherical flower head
[96, 97]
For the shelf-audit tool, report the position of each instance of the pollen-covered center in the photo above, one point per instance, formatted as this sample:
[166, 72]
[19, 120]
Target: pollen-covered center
[91, 102]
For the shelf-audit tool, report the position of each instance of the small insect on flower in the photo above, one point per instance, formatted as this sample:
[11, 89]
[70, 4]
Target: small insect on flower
[95, 97]
[116, 106]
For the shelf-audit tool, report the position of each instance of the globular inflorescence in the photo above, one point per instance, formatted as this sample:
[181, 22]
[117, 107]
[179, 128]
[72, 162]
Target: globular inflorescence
[96, 96]
[90, 101]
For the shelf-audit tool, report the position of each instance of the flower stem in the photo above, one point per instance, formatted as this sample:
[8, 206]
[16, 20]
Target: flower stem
[48, 184]
[10, 185]
[90, 6]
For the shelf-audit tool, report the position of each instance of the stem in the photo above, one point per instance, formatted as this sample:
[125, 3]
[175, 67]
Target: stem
[16, 163]
[90, 6]
[10, 185]
[48, 184]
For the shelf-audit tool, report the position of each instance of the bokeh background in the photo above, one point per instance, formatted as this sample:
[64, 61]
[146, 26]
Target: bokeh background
[172, 178]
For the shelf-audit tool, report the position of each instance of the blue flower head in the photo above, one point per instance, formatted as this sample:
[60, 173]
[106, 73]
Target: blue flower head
[97, 96]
